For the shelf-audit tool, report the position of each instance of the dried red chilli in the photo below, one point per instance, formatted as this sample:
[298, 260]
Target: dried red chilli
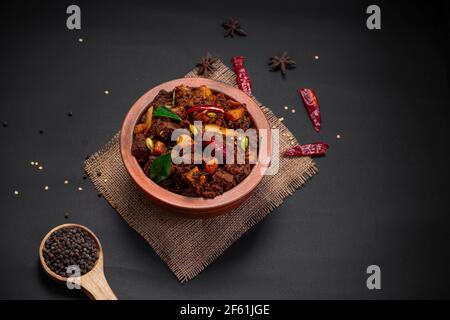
[205, 108]
[243, 80]
[307, 150]
[312, 106]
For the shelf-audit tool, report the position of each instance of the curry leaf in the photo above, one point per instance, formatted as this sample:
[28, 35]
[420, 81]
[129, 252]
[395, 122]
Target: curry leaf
[163, 111]
[160, 168]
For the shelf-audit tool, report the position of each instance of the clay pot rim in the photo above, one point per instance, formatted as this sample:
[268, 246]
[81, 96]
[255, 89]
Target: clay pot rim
[175, 201]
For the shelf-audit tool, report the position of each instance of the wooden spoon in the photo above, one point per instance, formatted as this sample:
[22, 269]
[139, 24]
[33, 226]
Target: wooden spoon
[93, 283]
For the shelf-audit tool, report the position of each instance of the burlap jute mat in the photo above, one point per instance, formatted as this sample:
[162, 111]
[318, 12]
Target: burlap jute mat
[187, 246]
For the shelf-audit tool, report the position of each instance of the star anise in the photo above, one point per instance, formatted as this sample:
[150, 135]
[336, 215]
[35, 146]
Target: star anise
[205, 66]
[282, 63]
[232, 27]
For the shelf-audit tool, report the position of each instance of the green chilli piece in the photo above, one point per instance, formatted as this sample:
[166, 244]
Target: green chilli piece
[244, 143]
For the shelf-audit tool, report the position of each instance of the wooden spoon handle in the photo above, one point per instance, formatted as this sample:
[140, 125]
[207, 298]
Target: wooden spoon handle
[96, 287]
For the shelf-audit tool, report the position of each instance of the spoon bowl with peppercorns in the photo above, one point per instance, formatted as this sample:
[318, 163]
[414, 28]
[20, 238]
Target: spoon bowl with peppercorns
[72, 254]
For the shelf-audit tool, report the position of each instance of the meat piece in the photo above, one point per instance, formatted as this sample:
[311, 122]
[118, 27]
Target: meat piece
[239, 171]
[211, 190]
[221, 100]
[234, 114]
[224, 179]
[192, 175]
[140, 128]
[183, 95]
[233, 104]
[139, 149]
[163, 128]
[180, 111]
[202, 180]
[159, 148]
[162, 98]
[205, 91]
[244, 122]
[200, 116]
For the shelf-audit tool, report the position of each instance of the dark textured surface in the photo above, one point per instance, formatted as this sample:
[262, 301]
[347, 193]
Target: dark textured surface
[380, 196]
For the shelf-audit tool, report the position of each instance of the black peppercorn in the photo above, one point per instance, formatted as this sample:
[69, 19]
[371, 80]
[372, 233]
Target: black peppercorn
[70, 246]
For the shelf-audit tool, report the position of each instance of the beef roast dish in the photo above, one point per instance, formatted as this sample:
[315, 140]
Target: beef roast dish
[178, 109]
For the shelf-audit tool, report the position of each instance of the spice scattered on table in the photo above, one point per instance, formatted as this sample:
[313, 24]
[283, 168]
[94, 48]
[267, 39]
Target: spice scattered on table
[70, 114]
[5, 124]
[66, 215]
[66, 181]
[312, 106]
[306, 150]
[41, 131]
[205, 66]
[36, 164]
[243, 80]
[84, 177]
[282, 63]
[338, 136]
[80, 39]
[233, 27]
[106, 92]
[16, 192]
[70, 246]
[293, 110]
[80, 189]
[286, 107]
[316, 57]
[99, 195]
[46, 188]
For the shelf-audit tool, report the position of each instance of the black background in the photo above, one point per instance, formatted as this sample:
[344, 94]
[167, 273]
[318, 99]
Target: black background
[380, 196]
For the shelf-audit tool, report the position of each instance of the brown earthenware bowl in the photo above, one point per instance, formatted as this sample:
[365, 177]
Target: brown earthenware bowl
[191, 206]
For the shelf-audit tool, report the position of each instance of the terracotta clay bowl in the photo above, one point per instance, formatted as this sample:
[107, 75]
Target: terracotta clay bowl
[191, 206]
